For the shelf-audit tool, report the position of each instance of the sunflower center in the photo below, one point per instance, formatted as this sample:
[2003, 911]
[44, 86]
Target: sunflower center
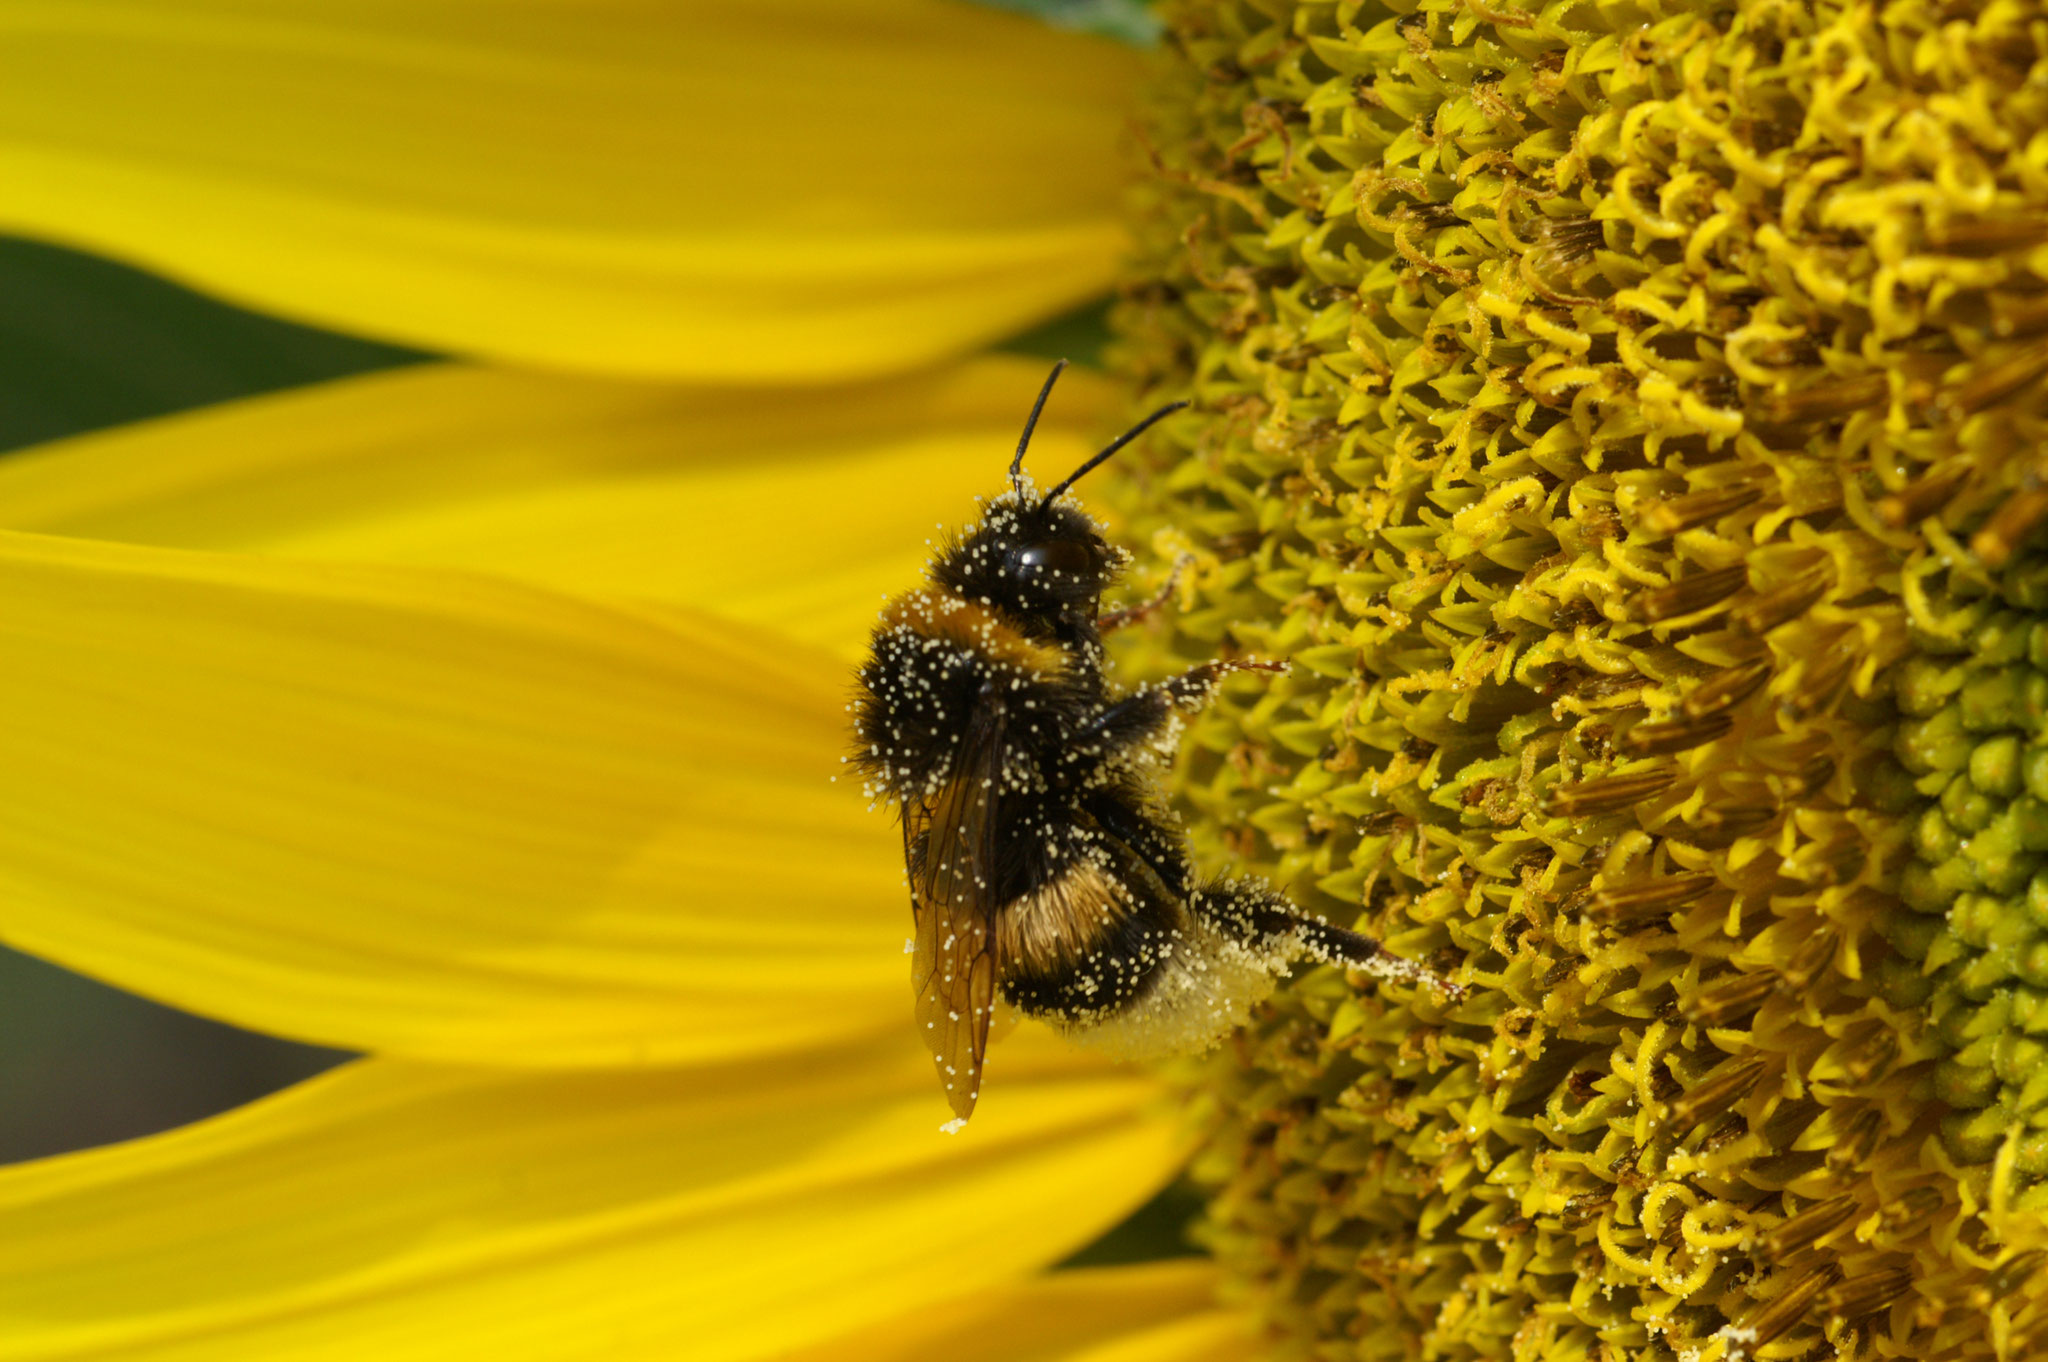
[1625, 418]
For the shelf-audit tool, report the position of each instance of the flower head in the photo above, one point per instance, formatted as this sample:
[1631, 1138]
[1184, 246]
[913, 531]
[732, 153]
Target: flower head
[1620, 418]
[1615, 416]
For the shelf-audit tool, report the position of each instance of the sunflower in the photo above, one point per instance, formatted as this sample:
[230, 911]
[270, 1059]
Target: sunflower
[1624, 417]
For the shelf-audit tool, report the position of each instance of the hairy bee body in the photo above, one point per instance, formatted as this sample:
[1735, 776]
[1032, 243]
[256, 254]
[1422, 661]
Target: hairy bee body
[1044, 867]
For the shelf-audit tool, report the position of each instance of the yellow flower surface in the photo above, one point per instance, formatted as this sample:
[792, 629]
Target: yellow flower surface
[1625, 418]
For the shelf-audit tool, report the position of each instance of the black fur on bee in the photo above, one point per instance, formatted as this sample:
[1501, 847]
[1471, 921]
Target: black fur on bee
[1044, 867]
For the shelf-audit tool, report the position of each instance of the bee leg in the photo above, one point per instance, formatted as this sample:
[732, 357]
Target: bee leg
[1196, 686]
[1260, 916]
[1133, 614]
[1150, 715]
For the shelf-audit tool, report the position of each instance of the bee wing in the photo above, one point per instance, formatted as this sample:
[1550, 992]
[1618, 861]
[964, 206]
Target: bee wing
[949, 844]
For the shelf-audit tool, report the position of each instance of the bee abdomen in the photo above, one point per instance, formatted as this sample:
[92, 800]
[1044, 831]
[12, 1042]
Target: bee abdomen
[1087, 941]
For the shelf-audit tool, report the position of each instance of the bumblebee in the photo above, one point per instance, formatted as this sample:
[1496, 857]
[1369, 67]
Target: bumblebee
[1045, 869]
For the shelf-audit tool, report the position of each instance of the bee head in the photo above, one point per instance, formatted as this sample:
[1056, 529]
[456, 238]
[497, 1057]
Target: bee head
[1044, 563]
[1040, 558]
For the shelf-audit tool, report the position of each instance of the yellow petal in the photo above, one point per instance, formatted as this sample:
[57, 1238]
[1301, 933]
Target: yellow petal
[1151, 1312]
[398, 1211]
[1213, 1336]
[751, 189]
[794, 508]
[432, 813]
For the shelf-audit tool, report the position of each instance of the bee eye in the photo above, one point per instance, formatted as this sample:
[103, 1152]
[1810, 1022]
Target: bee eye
[1069, 556]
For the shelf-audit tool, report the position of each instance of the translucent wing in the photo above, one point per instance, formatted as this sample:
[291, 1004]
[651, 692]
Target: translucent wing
[949, 843]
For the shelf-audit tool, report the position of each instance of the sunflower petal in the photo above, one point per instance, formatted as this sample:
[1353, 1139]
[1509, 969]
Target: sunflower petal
[1150, 1312]
[792, 508]
[1212, 1336]
[400, 1211]
[749, 189]
[430, 813]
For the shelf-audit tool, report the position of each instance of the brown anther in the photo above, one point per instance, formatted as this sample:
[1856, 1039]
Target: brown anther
[1725, 689]
[1921, 498]
[2008, 528]
[1912, 1207]
[1651, 898]
[1813, 955]
[1678, 735]
[2018, 314]
[1809, 1226]
[1726, 1086]
[1731, 996]
[1866, 1292]
[1673, 514]
[1608, 793]
[1871, 1055]
[1824, 672]
[1789, 1306]
[1722, 826]
[1856, 1141]
[1784, 603]
[1993, 382]
[2012, 1274]
[1988, 236]
[1835, 397]
[1813, 773]
[1694, 591]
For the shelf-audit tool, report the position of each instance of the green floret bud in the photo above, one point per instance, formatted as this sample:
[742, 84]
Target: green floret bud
[2030, 822]
[1976, 918]
[1995, 766]
[2029, 1011]
[1913, 936]
[1924, 685]
[1935, 838]
[1939, 742]
[2007, 697]
[2001, 639]
[2036, 901]
[1965, 810]
[2002, 865]
[1978, 847]
[1922, 891]
[1965, 1085]
[1975, 1137]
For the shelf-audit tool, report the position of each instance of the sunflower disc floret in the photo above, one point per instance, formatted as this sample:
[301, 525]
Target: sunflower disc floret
[1627, 418]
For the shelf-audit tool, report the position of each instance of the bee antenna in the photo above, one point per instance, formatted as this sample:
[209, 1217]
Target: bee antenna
[1118, 443]
[1031, 423]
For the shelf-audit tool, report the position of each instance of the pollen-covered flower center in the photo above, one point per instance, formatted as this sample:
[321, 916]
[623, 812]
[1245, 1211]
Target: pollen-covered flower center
[1609, 410]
